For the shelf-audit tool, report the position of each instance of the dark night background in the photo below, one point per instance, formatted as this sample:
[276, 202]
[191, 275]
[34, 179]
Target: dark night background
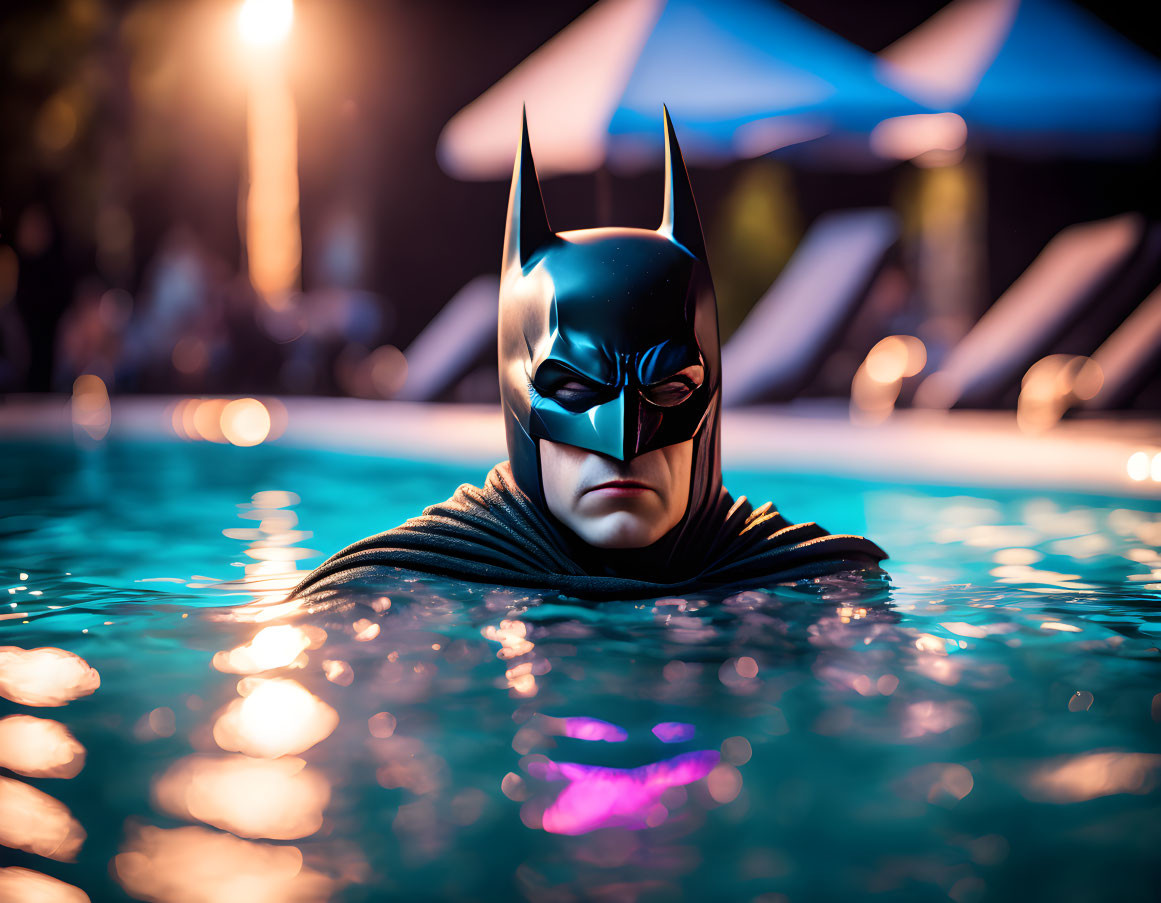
[375, 82]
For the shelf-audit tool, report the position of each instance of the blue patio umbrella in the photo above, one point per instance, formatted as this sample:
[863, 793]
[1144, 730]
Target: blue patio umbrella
[1038, 75]
[741, 78]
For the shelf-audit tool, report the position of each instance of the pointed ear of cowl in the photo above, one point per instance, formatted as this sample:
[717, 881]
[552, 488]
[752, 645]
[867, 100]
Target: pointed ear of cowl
[679, 219]
[527, 230]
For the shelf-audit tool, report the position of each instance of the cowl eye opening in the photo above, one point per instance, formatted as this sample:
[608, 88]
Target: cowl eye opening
[569, 389]
[673, 390]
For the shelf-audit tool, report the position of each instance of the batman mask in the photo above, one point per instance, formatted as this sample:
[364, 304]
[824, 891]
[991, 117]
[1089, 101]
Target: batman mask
[608, 337]
[608, 342]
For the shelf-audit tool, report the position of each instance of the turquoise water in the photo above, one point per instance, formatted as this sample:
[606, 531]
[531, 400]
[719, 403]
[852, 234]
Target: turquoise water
[983, 725]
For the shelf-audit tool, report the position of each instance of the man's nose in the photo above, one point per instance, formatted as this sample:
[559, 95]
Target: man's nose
[625, 425]
[608, 422]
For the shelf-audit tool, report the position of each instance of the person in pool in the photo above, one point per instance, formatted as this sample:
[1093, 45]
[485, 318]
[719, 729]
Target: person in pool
[610, 379]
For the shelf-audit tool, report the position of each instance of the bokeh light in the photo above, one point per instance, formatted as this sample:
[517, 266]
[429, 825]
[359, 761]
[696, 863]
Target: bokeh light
[278, 799]
[35, 822]
[39, 748]
[197, 865]
[274, 717]
[45, 677]
[263, 23]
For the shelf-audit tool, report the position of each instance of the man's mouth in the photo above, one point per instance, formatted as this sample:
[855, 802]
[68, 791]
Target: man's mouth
[614, 488]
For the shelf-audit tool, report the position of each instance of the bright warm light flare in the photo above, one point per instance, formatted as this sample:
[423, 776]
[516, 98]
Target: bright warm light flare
[39, 748]
[263, 23]
[276, 717]
[245, 421]
[276, 798]
[45, 677]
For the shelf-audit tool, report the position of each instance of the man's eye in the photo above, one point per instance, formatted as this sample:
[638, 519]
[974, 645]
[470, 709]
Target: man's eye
[573, 390]
[668, 393]
[573, 394]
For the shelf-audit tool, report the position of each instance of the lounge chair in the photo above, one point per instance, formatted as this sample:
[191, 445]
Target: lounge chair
[453, 341]
[1129, 357]
[1076, 270]
[784, 340]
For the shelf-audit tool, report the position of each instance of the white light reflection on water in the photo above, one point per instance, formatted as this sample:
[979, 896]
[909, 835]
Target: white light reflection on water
[33, 821]
[39, 748]
[45, 677]
[19, 885]
[1078, 778]
[277, 646]
[197, 865]
[273, 546]
[278, 799]
[275, 717]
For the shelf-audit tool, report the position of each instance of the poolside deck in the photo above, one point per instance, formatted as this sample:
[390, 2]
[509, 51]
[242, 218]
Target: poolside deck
[957, 448]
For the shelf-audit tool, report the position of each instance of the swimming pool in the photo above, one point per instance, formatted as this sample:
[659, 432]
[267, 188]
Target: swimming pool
[986, 725]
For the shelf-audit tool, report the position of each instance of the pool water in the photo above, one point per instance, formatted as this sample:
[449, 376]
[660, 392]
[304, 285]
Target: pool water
[983, 724]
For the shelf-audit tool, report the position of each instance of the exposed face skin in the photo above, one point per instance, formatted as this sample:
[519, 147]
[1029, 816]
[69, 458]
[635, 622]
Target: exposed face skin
[615, 504]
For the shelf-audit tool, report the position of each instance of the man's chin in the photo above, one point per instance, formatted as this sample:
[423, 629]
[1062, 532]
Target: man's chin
[621, 530]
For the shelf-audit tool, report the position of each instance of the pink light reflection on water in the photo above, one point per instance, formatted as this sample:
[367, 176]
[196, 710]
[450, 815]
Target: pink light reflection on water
[602, 797]
[673, 731]
[580, 727]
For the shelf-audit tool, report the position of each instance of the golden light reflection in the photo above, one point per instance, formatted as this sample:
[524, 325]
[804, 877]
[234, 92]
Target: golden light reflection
[512, 635]
[1059, 626]
[724, 783]
[1141, 466]
[238, 421]
[929, 717]
[245, 422]
[736, 751]
[91, 411]
[46, 676]
[197, 865]
[338, 672]
[1051, 386]
[37, 823]
[275, 717]
[207, 419]
[933, 645]
[962, 628]
[739, 674]
[159, 722]
[406, 763]
[941, 783]
[941, 668]
[366, 630]
[39, 748]
[279, 799]
[521, 680]
[955, 782]
[1086, 777]
[273, 236]
[278, 646]
[1023, 574]
[879, 379]
[274, 570]
[19, 885]
[1017, 556]
[265, 22]
[381, 725]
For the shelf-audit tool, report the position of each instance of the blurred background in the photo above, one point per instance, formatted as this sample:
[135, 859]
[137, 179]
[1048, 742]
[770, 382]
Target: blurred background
[921, 204]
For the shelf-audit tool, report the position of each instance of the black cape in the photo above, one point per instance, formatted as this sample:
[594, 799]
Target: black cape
[496, 535]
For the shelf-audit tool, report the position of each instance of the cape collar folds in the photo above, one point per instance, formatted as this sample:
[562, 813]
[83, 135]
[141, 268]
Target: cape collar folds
[495, 535]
